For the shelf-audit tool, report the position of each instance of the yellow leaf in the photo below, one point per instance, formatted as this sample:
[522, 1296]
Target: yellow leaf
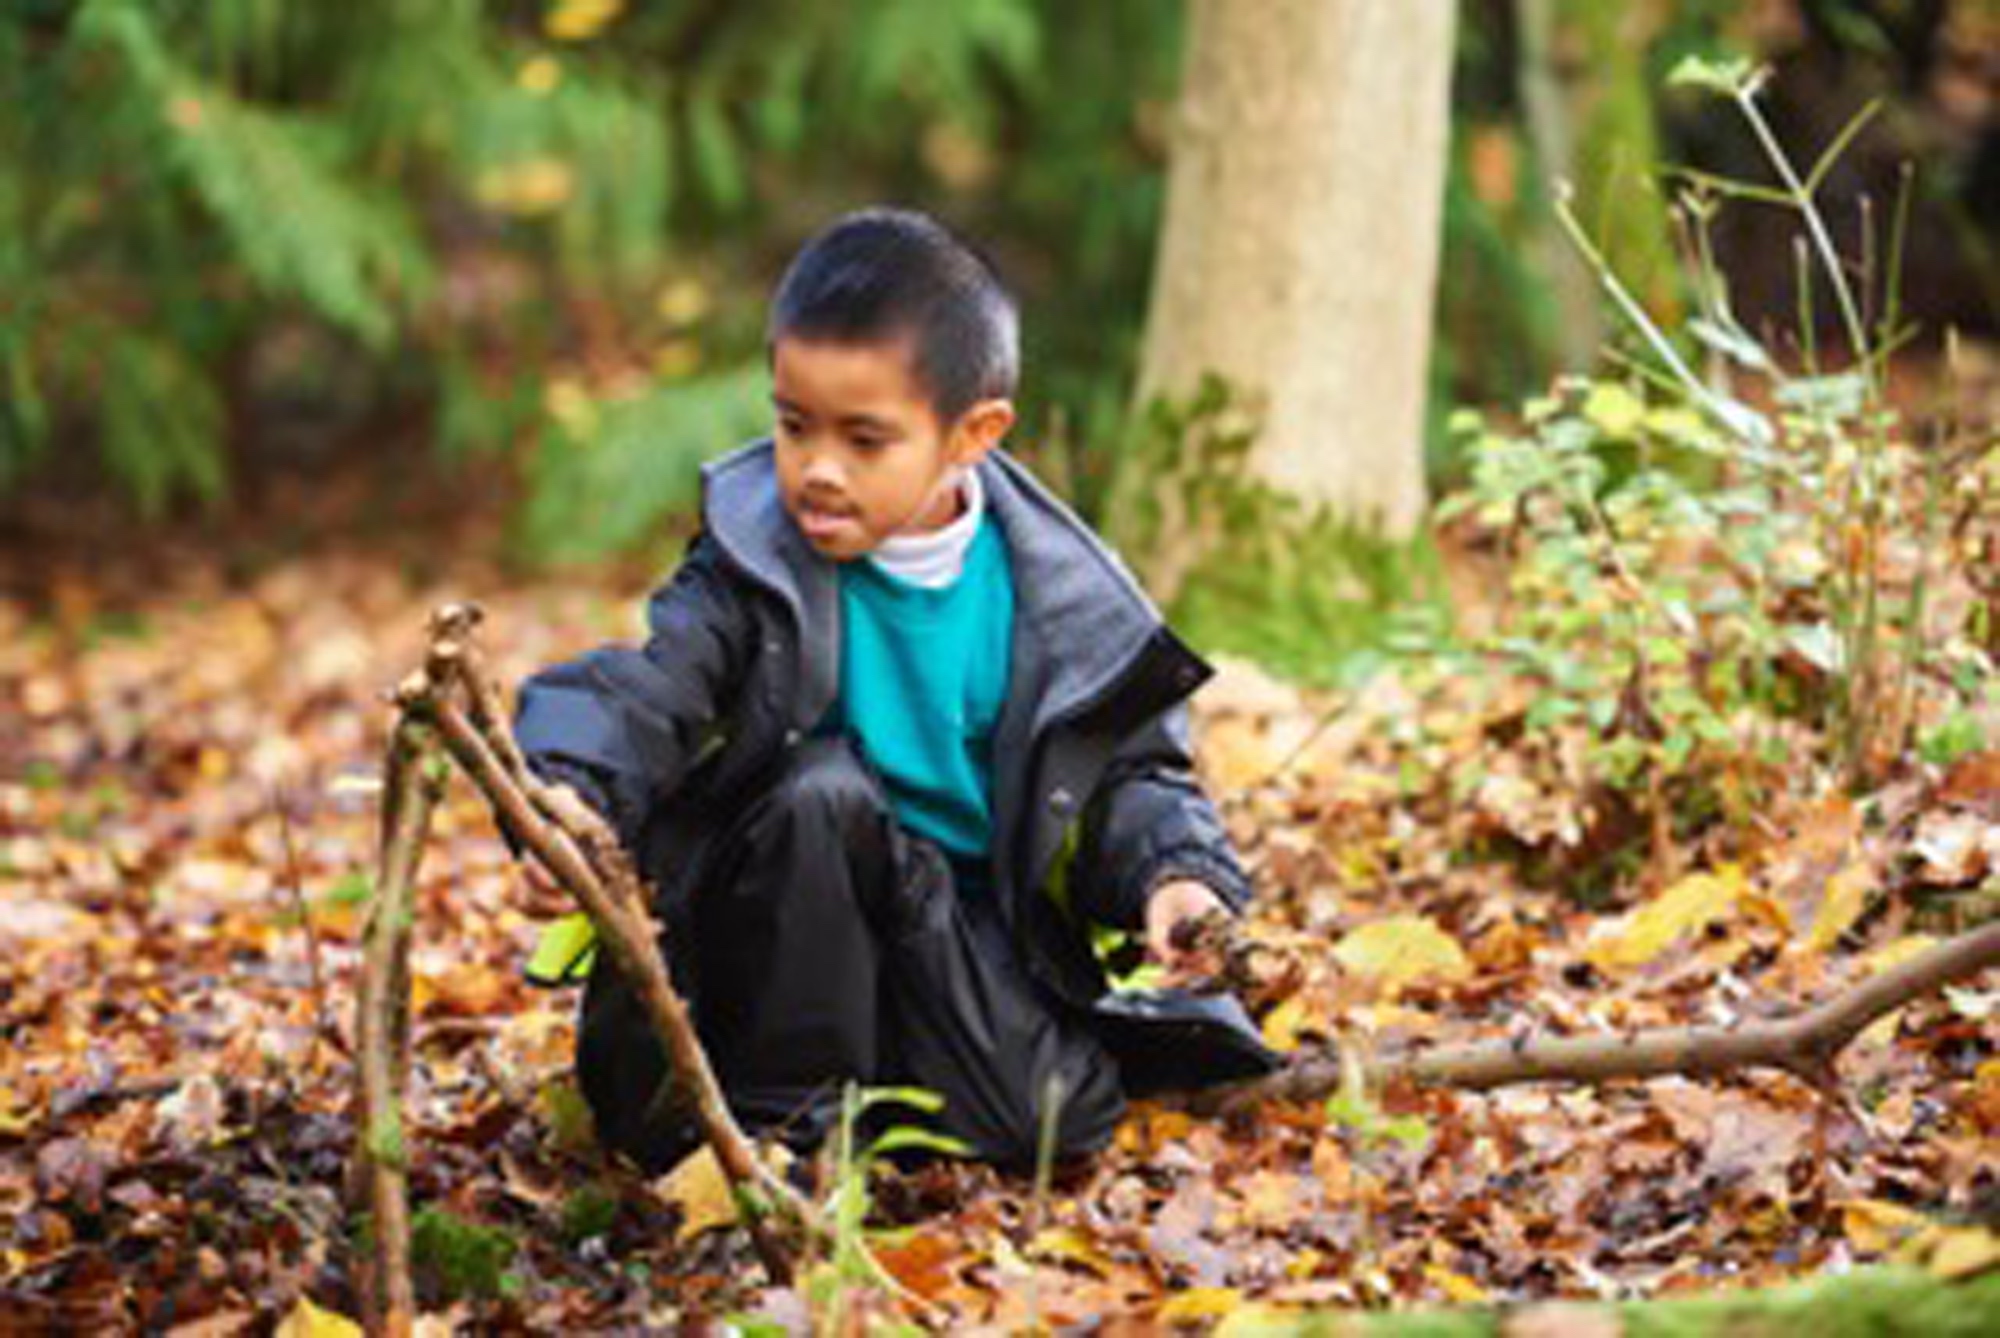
[14, 1120]
[1401, 949]
[1961, 1252]
[1873, 1226]
[307, 1320]
[1198, 1303]
[1690, 905]
[1067, 1245]
[1846, 897]
[1457, 1288]
[701, 1189]
[1283, 1023]
[1258, 1319]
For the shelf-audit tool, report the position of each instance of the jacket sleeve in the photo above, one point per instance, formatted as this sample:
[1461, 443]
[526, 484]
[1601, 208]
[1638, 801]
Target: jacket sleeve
[623, 725]
[1149, 821]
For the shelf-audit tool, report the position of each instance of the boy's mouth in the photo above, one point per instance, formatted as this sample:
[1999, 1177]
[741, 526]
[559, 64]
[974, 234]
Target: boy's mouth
[820, 522]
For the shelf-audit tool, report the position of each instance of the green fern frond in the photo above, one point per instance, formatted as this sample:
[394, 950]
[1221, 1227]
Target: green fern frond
[272, 181]
[603, 481]
[158, 418]
[606, 142]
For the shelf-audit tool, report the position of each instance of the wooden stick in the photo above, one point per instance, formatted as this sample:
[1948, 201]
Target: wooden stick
[1804, 1044]
[414, 780]
[581, 852]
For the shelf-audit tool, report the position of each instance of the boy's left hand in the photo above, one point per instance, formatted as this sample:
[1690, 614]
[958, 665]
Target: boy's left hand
[1172, 902]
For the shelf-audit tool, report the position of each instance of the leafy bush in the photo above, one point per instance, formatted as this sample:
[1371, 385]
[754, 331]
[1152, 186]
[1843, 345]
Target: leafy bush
[1245, 568]
[1723, 582]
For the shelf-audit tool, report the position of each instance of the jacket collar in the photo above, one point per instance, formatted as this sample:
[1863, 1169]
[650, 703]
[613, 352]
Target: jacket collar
[1086, 615]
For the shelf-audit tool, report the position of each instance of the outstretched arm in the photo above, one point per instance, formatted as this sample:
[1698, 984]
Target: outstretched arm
[1153, 850]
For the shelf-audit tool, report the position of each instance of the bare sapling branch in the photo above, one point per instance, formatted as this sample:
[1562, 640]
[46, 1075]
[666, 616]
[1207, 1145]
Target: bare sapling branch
[413, 781]
[457, 703]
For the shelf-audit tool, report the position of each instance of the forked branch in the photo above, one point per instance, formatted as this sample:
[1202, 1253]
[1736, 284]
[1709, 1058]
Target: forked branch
[451, 708]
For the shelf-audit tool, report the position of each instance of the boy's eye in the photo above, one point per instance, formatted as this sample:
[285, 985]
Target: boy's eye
[790, 427]
[869, 444]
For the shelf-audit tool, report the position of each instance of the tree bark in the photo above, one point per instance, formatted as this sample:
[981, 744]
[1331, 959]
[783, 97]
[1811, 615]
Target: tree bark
[1299, 253]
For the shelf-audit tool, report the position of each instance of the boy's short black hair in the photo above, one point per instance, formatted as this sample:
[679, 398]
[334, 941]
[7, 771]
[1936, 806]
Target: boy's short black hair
[879, 274]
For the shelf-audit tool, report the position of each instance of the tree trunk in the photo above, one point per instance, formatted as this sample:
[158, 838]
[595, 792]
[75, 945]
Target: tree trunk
[1299, 254]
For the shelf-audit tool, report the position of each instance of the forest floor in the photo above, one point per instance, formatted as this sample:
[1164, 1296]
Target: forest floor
[189, 728]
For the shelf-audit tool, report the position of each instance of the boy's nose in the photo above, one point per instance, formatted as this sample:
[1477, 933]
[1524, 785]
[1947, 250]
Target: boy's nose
[821, 470]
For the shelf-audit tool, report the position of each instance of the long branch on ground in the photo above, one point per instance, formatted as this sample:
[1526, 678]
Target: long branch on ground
[1805, 1044]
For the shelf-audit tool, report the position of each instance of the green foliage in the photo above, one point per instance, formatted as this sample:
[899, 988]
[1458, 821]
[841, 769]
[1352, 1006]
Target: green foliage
[1247, 569]
[459, 1257]
[472, 193]
[832, 1285]
[1700, 586]
[625, 464]
[589, 1210]
[1960, 734]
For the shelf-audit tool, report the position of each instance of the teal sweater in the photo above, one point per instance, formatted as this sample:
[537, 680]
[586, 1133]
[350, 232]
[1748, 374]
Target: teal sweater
[923, 676]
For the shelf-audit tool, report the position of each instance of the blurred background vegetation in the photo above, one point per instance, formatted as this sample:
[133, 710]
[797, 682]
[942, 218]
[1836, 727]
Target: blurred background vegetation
[531, 239]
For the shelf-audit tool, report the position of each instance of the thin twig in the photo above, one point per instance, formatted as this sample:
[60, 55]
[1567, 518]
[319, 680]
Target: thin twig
[323, 1029]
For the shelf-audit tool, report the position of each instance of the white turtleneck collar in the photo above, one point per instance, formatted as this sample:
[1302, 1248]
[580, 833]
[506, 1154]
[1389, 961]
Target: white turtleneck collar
[934, 560]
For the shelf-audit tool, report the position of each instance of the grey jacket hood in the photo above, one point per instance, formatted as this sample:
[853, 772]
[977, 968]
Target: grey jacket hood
[1089, 620]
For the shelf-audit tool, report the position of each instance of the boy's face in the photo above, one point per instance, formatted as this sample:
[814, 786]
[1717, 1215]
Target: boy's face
[861, 453]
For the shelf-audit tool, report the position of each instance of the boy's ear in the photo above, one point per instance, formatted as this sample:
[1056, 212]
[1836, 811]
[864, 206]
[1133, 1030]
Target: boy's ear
[979, 429]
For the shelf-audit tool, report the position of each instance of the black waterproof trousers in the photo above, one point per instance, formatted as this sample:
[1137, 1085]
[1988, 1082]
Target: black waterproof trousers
[829, 946]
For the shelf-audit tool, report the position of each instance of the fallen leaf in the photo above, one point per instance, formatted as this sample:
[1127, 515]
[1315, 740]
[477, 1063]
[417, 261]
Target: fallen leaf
[1069, 1245]
[1257, 1319]
[192, 1114]
[307, 1320]
[1845, 898]
[698, 1185]
[1457, 1288]
[1951, 848]
[1974, 783]
[1197, 1304]
[921, 1261]
[1962, 1252]
[1873, 1226]
[1401, 949]
[1690, 905]
[1283, 1024]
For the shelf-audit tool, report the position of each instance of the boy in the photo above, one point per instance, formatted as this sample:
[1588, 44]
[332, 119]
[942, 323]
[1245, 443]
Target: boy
[902, 733]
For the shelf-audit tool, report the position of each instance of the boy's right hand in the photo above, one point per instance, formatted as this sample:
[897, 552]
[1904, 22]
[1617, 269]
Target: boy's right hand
[545, 896]
[1174, 903]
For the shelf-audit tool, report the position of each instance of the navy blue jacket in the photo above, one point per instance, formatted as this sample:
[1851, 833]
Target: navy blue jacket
[743, 659]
